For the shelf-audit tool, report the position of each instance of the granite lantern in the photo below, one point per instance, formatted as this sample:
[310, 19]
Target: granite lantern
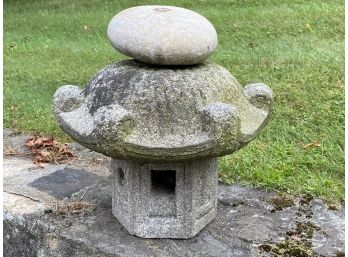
[163, 117]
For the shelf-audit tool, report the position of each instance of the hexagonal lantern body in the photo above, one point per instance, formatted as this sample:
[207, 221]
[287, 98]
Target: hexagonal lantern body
[173, 200]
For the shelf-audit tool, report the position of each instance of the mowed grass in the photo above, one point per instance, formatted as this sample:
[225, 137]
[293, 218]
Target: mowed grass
[296, 47]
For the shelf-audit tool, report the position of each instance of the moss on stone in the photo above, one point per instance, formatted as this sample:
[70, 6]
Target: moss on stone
[288, 248]
[282, 201]
[298, 242]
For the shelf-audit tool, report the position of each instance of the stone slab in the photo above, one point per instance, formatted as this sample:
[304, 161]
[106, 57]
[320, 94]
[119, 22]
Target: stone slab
[249, 222]
[64, 182]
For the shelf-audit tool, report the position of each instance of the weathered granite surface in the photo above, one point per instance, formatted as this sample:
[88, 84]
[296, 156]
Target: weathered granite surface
[249, 222]
[168, 110]
[164, 35]
[136, 111]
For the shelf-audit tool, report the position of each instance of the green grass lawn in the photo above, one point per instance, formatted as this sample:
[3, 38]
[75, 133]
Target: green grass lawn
[296, 47]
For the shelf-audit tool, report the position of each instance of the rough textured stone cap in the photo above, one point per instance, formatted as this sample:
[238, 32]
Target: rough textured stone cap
[131, 110]
[164, 35]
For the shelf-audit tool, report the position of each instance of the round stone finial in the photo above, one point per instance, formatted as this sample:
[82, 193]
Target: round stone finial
[162, 35]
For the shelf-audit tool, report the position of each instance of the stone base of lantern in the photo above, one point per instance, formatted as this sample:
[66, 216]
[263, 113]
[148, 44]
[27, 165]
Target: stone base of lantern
[171, 200]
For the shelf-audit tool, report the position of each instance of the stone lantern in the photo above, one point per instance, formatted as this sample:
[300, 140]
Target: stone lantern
[163, 117]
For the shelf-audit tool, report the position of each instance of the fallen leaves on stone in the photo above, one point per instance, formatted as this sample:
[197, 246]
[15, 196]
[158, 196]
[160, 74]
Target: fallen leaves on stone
[69, 208]
[48, 150]
[313, 144]
[72, 208]
[11, 151]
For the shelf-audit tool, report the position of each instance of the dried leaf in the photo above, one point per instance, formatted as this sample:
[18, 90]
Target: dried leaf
[30, 142]
[38, 142]
[10, 151]
[40, 164]
[296, 237]
[72, 208]
[45, 153]
[313, 144]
